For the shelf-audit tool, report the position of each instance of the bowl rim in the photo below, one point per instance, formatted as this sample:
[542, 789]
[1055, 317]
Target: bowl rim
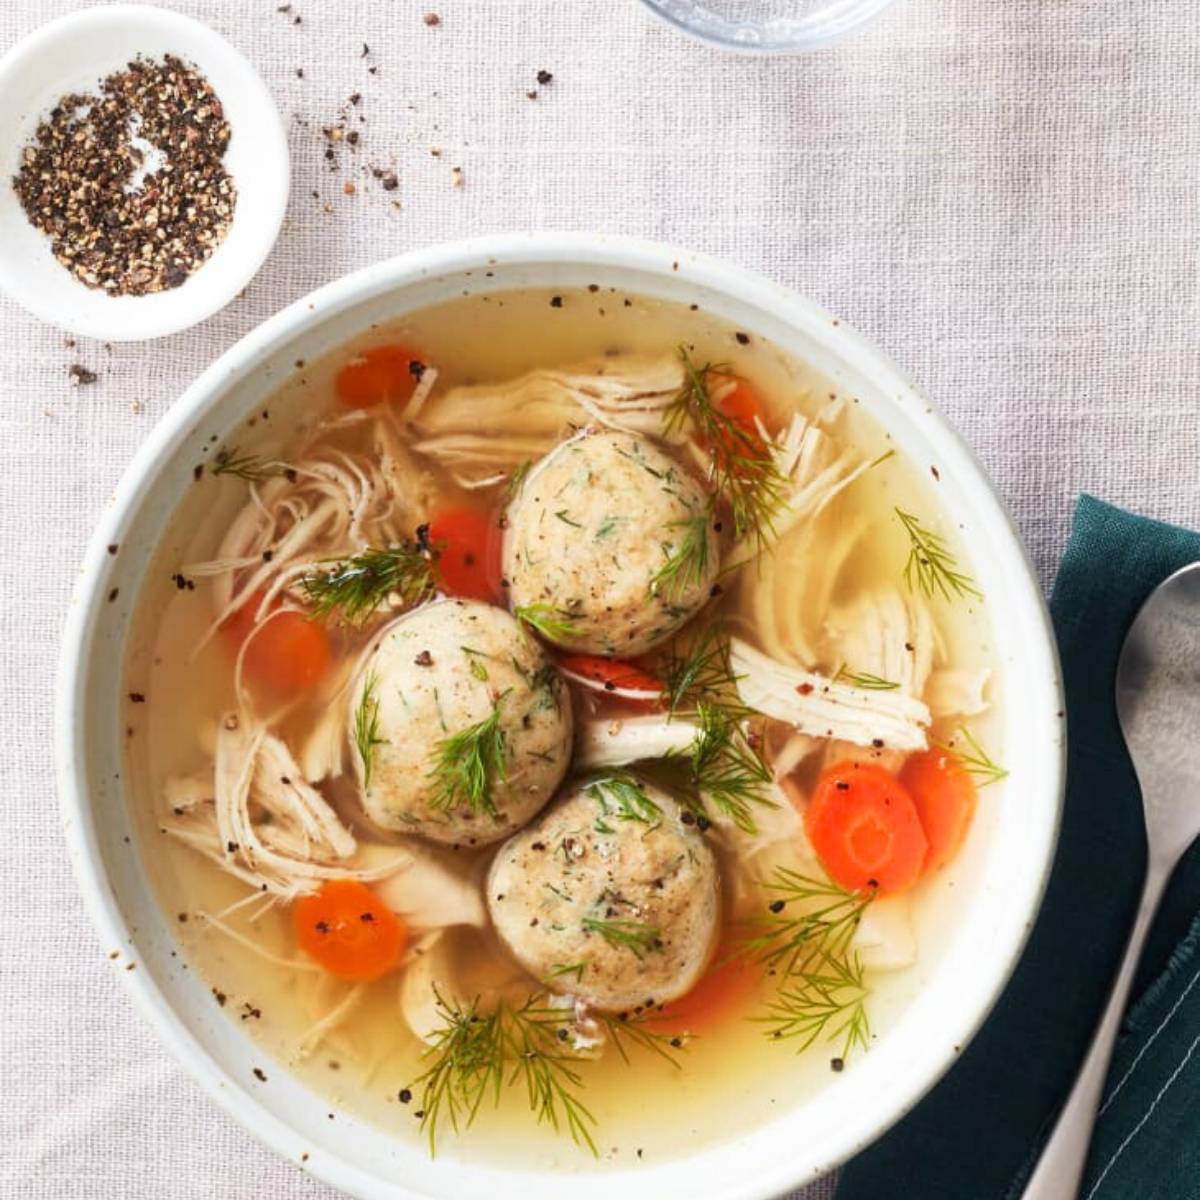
[147, 321]
[523, 249]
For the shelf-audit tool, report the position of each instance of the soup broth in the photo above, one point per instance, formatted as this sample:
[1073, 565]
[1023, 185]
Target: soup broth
[826, 639]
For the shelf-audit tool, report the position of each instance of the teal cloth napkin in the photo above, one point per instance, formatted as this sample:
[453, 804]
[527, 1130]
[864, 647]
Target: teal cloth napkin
[978, 1133]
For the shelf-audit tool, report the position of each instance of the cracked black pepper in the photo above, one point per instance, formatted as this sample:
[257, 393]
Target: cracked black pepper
[129, 184]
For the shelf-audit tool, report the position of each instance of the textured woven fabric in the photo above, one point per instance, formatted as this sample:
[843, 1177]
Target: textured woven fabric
[1001, 195]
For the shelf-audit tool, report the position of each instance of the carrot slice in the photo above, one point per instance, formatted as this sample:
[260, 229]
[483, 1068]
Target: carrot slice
[349, 932]
[289, 653]
[468, 547]
[238, 624]
[742, 404]
[945, 797]
[613, 673]
[864, 827]
[381, 375]
[722, 992]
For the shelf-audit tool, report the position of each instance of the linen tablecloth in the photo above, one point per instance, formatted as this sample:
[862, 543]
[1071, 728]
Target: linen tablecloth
[1002, 195]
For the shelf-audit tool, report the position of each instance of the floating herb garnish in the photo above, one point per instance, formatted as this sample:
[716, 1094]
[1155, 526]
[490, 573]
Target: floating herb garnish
[975, 760]
[638, 937]
[366, 726]
[550, 622]
[931, 568]
[744, 472]
[468, 765]
[251, 467]
[622, 796]
[822, 991]
[355, 587]
[474, 1054]
[686, 565]
[699, 669]
[864, 680]
[727, 771]
[515, 482]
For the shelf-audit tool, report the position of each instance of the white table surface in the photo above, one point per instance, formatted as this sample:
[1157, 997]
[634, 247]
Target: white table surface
[1003, 195]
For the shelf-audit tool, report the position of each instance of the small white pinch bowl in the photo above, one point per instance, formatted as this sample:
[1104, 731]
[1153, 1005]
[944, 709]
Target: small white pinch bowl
[74, 54]
[996, 904]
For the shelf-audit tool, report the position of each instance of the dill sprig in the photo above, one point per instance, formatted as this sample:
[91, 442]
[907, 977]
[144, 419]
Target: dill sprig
[743, 471]
[827, 999]
[467, 1052]
[727, 771]
[355, 587]
[975, 760]
[699, 670]
[686, 565]
[251, 467]
[552, 623]
[474, 1054]
[638, 937]
[931, 568]
[822, 990]
[468, 764]
[622, 1026]
[366, 726]
[864, 680]
[516, 481]
[622, 796]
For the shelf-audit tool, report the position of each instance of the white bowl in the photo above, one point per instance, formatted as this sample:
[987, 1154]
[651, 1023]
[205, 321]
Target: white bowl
[799, 1144]
[73, 54]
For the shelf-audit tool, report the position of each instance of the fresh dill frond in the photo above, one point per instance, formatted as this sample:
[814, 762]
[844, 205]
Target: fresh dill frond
[878, 462]
[822, 921]
[635, 1028]
[474, 1055]
[516, 481]
[355, 587]
[250, 467]
[621, 795]
[552, 623]
[825, 1000]
[931, 568]
[686, 565]
[638, 937]
[822, 991]
[551, 1081]
[559, 970]
[467, 1061]
[864, 680]
[468, 765]
[975, 759]
[699, 669]
[366, 726]
[727, 770]
[743, 471]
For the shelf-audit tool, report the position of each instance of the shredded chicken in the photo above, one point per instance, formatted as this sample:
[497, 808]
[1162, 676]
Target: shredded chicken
[614, 742]
[542, 407]
[819, 707]
[885, 939]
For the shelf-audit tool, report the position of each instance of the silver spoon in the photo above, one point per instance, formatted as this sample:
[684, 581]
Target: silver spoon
[1158, 705]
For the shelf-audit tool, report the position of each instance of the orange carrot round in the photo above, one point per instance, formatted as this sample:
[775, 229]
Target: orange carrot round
[864, 827]
[289, 653]
[346, 929]
[381, 375]
[468, 553]
[742, 404]
[722, 992]
[613, 673]
[945, 797]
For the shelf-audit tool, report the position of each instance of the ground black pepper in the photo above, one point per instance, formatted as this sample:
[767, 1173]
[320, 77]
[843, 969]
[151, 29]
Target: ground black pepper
[81, 182]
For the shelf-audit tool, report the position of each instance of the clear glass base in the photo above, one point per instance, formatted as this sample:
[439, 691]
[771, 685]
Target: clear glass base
[767, 26]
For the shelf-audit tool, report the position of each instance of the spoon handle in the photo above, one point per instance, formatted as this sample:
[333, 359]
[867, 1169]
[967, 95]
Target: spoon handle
[1060, 1169]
